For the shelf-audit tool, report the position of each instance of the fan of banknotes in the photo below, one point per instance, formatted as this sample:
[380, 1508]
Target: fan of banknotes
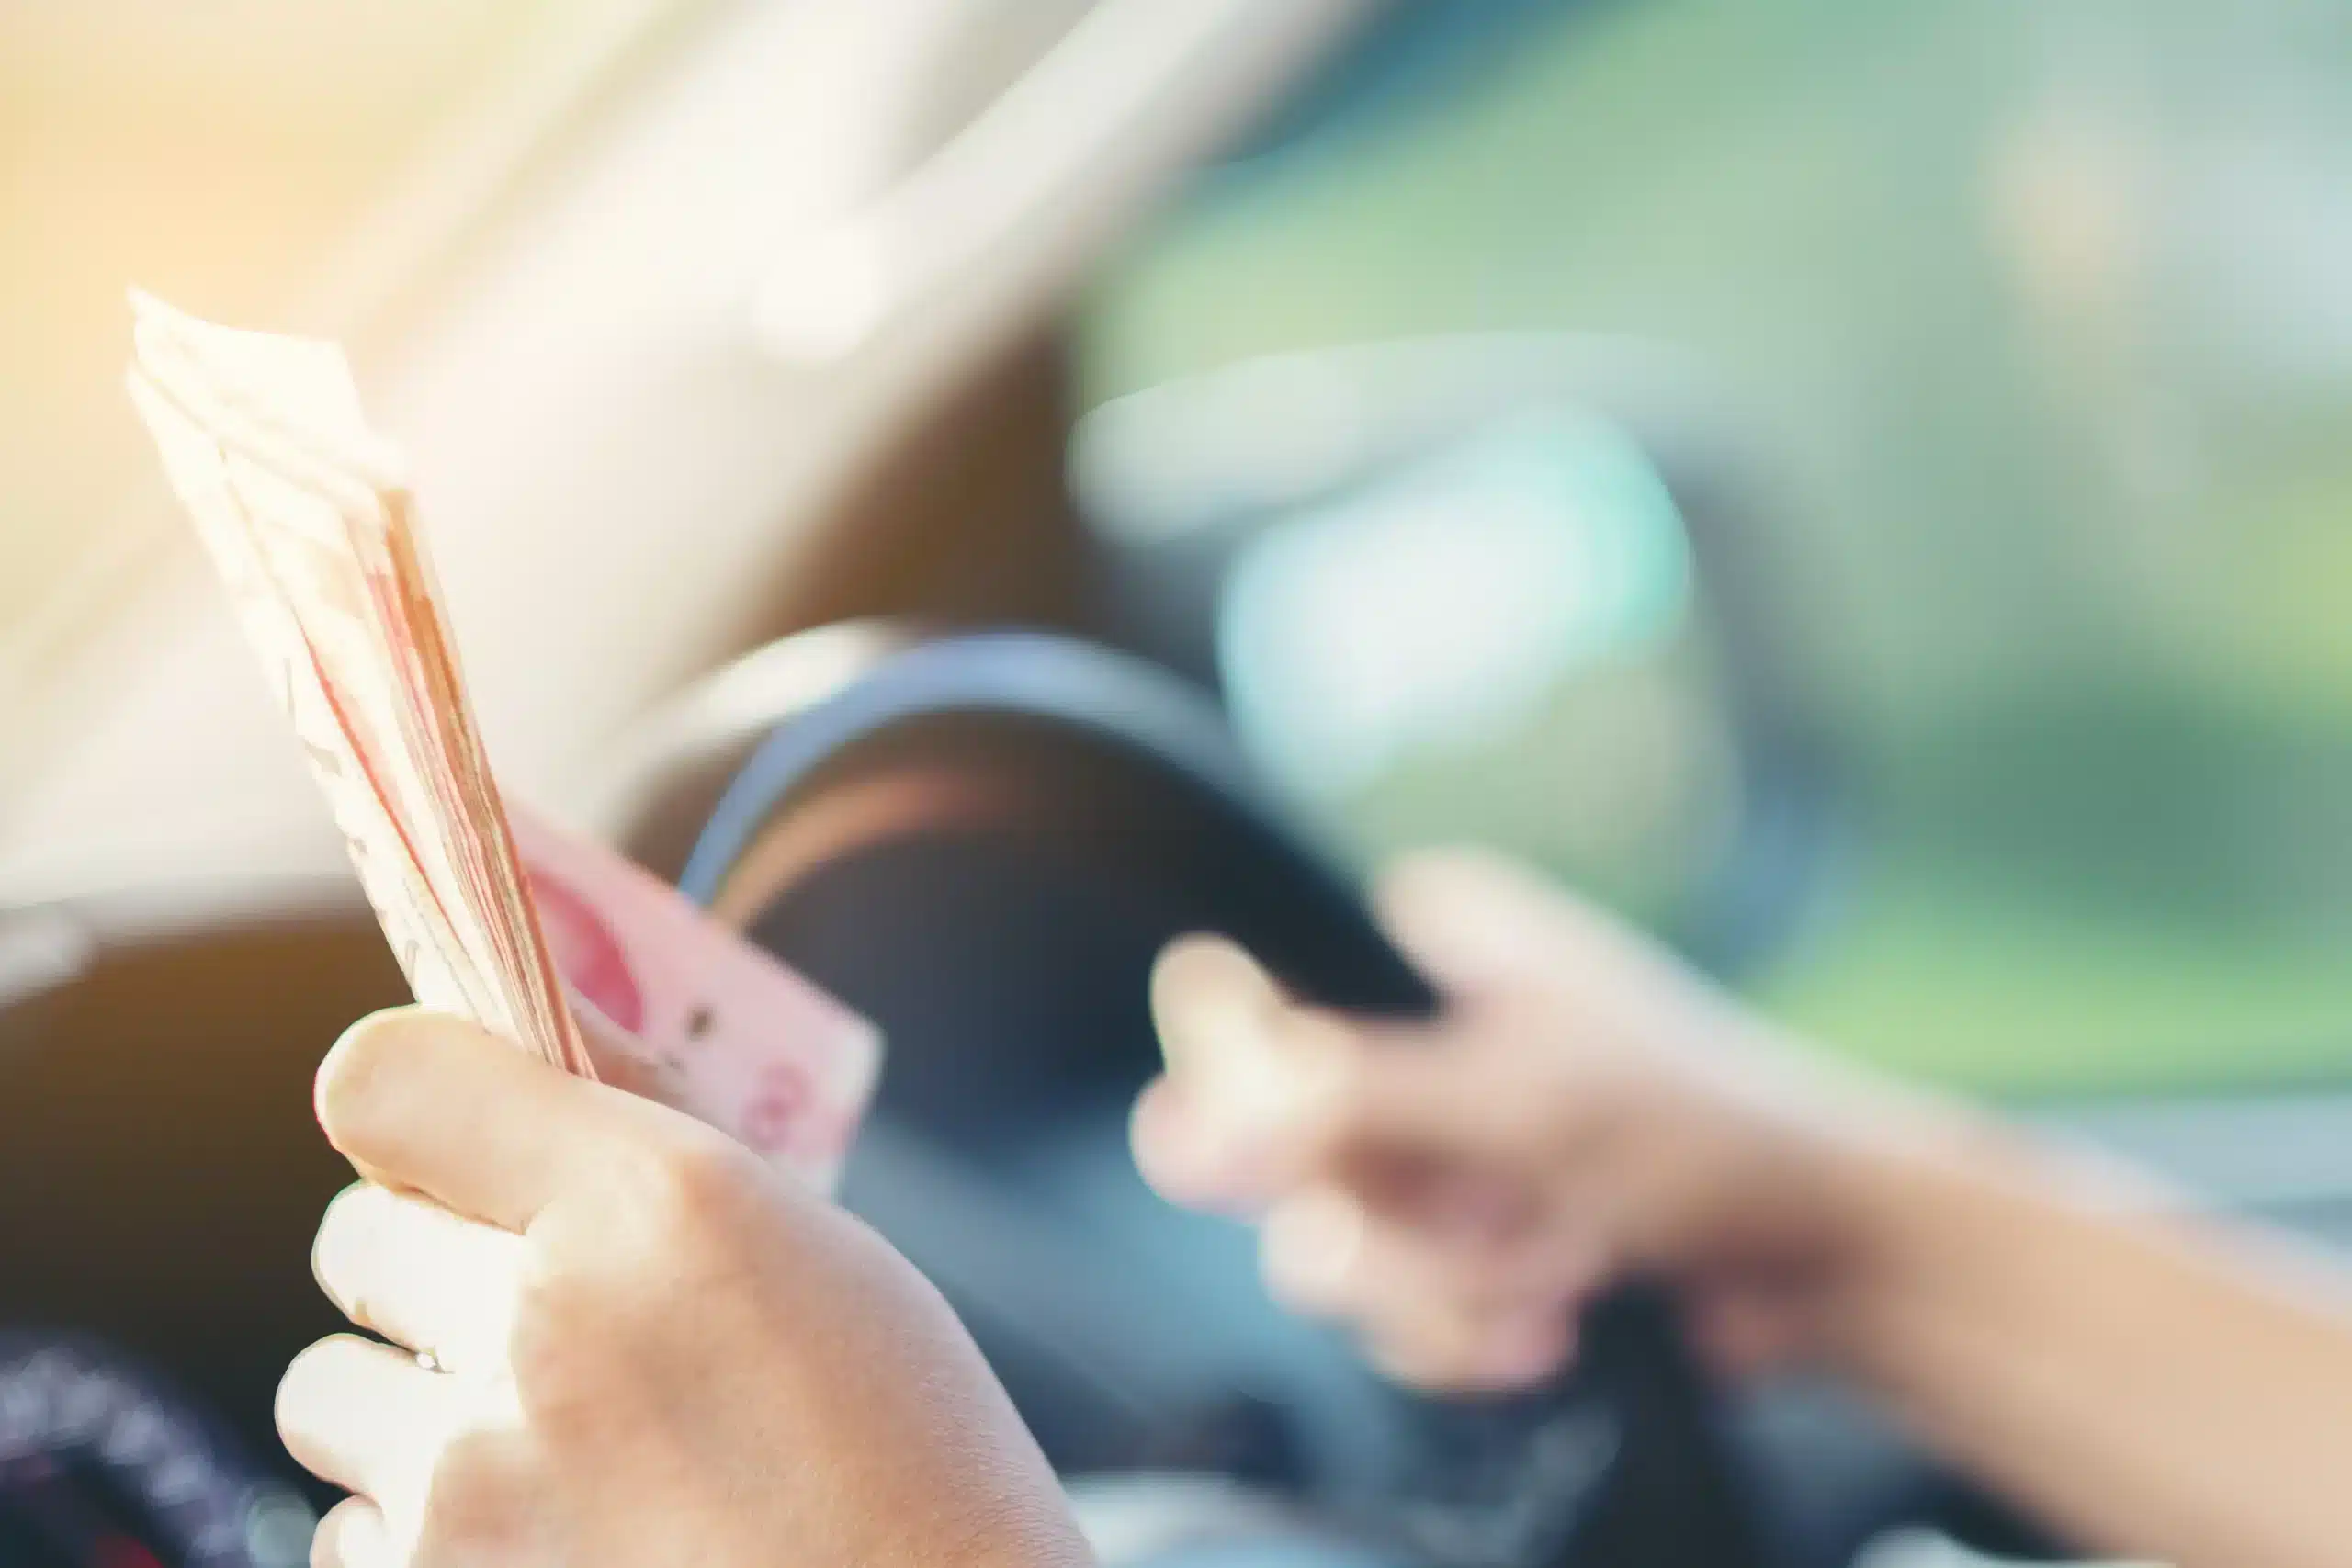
[492, 912]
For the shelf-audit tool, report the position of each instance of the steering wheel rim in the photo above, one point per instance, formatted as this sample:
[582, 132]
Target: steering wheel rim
[1485, 1512]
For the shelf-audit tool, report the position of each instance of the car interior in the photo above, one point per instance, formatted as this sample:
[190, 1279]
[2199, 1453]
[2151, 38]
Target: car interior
[971, 489]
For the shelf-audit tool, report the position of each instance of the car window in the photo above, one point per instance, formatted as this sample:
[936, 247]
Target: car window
[2044, 315]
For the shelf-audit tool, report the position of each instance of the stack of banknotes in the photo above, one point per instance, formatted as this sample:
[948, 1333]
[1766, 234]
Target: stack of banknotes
[492, 912]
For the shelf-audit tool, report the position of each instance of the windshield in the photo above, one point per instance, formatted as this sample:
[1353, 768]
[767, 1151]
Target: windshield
[227, 156]
[2044, 314]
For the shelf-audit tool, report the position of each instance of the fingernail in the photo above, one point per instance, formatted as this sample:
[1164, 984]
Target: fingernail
[334, 1252]
[361, 1539]
[383, 1034]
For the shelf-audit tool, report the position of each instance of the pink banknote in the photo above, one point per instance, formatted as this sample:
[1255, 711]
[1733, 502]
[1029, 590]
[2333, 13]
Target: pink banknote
[721, 1029]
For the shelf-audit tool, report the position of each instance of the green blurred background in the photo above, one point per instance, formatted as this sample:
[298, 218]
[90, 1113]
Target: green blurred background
[2043, 311]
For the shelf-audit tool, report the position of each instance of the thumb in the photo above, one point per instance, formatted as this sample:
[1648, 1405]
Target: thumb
[1263, 1094]
[1471, 919]
[1479, 924]
[618, 1057]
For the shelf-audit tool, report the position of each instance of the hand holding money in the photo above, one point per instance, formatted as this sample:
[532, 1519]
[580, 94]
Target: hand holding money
[613, 1339]
[642, 1349]
[492, 914]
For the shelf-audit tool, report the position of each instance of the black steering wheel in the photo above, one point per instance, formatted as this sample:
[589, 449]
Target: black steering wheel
[981, 843]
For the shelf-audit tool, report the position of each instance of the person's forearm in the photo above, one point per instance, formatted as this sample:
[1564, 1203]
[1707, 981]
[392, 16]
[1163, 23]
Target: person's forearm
[2139, 1378]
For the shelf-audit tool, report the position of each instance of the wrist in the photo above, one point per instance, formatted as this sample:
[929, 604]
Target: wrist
[1899, 1189]
[1936, 1207]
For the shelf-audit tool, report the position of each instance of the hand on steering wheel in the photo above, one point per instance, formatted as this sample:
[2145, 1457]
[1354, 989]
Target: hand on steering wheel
[1098, 789]
[1457, 1190]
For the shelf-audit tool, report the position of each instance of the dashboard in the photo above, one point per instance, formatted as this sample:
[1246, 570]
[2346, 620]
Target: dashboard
[160, 1174]
[102, 1466]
